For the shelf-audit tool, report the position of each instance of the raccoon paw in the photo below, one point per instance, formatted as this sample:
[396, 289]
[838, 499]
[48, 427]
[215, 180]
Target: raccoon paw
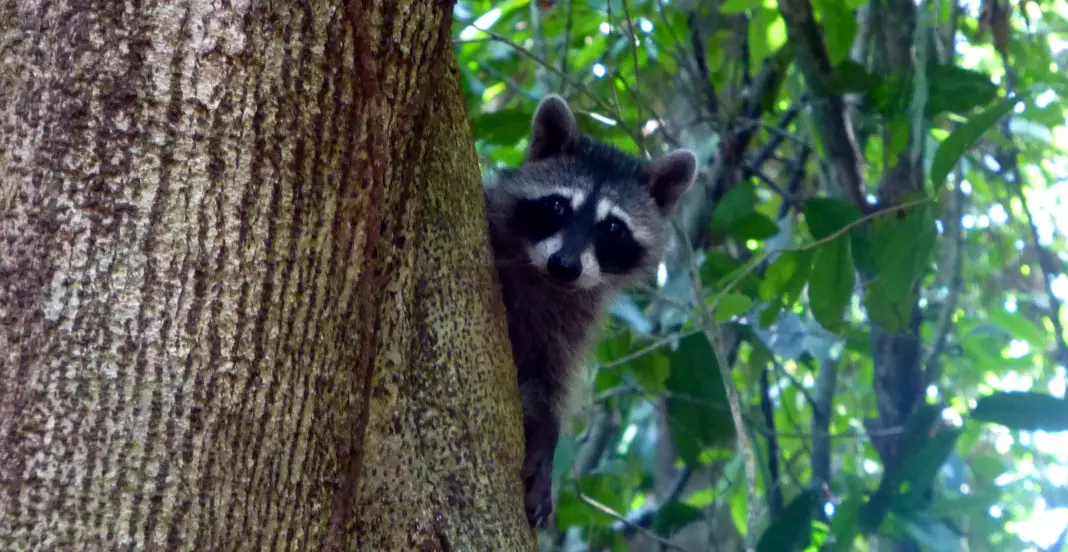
[539, 486]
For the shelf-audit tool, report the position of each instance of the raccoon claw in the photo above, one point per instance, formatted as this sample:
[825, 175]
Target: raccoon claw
[539, 506]
[539, 500]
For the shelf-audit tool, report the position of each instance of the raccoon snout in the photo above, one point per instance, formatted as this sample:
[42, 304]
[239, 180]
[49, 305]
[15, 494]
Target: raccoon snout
[564, 268]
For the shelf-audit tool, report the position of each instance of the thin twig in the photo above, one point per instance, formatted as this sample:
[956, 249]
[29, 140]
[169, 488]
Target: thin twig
[579, 85]
[622, 519]
[658, 344]
[713, 334]
[757, 260]
[634, 54]
[800, 387]
[566, 47]
[539, 45]
[645, 517]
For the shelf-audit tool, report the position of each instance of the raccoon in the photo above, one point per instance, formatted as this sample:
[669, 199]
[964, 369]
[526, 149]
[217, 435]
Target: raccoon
[577, 221]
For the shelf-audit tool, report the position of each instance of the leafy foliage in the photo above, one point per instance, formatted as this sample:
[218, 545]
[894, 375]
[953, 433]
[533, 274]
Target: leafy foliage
[899, 359]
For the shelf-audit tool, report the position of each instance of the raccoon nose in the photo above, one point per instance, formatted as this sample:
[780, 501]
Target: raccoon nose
[564, 269]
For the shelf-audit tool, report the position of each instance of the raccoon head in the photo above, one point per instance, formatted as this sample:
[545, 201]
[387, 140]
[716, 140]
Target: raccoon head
[587, 214]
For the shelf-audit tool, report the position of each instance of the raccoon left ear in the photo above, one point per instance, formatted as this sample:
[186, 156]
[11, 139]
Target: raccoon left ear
[553, 128]
[670, 175]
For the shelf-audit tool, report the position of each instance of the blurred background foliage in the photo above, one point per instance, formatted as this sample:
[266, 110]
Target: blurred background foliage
[868, 278]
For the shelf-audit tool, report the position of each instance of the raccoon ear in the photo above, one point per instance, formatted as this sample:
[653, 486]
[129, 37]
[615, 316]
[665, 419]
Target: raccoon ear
[670, 175]
[553, 128]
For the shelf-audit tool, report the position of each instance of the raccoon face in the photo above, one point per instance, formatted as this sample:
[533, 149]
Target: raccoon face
[578, 240]
[590, 215]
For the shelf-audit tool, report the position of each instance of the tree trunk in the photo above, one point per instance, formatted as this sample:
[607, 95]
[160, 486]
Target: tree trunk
[245, 296]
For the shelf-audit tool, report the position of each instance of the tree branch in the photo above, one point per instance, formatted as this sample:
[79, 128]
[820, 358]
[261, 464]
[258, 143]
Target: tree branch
[830, 115]
[775, 501]
[826, 383]
[954, 253]
[697, 42]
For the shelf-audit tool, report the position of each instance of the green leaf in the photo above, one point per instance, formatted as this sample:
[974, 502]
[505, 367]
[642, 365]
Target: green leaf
[778, 275]
[771, 314]
[1020, 327]
[739, 6]
[674, 517]
[892, 95]
[903, 247]
[606, 489]
[734, 206]
[503, 128]
[825, 216]
[720, 268]
[918, 470]
[957, 90]
[839, 29]
[1026, 410]
[850, 76]
[831, 285]
[791, 292]
[732, 304]
[964, 137]
[570, 511]
[977, 503]
[898, 130]
[889, 312]
[698, 414]
[928, 533]
[845, 525]
[783, 282]
[900, 247]
[754, 226]
[792, 529]
[611, 348]
[651, 371]
[563, 456]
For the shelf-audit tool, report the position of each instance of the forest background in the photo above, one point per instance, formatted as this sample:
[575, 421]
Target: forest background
[875, 248]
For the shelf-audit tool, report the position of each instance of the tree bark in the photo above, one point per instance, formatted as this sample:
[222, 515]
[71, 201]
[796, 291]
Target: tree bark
[245, 295]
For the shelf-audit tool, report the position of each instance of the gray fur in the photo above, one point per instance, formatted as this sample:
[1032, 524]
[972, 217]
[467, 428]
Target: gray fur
[551, 324]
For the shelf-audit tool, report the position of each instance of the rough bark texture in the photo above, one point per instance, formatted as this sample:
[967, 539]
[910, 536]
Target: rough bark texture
[245, 299]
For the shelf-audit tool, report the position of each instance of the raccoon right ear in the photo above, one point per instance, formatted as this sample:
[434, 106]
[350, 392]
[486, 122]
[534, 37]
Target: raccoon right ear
[553, 129]
[670, 175]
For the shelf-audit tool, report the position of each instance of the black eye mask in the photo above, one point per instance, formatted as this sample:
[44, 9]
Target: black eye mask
[617, 251]
[540, 218]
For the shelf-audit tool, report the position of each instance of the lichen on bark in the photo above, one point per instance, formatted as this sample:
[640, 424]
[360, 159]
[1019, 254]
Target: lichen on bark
[245, 300]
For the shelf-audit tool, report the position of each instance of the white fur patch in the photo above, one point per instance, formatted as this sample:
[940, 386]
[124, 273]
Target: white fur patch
[575, 196]
[591, 270]
[607, 206]
[540, 252]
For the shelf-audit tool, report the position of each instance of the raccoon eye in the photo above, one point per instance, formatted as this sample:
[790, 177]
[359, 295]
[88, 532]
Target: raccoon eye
[558, 207]
[540, 218]
[617, 251]
[613, 229]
